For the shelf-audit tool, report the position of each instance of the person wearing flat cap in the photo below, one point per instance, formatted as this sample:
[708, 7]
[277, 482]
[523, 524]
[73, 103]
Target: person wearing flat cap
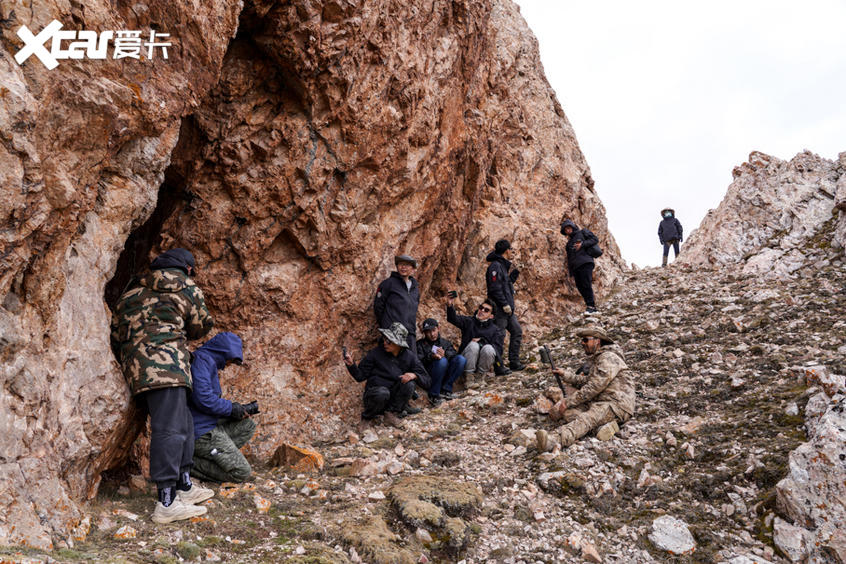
[398, 297]
[391, 371]
[605, 393]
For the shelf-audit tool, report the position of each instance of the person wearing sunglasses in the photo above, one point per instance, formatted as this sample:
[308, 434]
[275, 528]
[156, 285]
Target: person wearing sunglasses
[605, 394]
[481, 339]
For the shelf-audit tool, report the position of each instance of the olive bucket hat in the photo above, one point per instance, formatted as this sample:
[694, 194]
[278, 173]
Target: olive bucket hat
[397, 334]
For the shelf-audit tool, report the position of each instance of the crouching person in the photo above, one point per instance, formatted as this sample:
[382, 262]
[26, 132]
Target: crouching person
[605, 393]
[441, 361]
[221, 426]
[391, 371]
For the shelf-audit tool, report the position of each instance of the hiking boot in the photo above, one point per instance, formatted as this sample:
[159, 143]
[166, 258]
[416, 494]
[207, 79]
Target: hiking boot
[177, 511]
[516, 366]
[393, 419]
[501, 370]
[409, 410]
[591, 309]
[448, 396]
[197, 494]
[435, 401]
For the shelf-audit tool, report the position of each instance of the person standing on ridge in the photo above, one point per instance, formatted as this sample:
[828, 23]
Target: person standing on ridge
[152, 323]
[579, 263]
[398, 297]
[499, 280]
[669, 233]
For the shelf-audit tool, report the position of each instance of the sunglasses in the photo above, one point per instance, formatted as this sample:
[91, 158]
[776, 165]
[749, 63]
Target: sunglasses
[487, 309]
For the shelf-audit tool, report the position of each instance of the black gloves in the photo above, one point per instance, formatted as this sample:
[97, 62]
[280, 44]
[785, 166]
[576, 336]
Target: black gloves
[513, 275]
[242, 411]
[238, 412]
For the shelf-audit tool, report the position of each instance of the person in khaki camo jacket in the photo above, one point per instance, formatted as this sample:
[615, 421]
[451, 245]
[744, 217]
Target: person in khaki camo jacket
[152, 322]
[605, 394]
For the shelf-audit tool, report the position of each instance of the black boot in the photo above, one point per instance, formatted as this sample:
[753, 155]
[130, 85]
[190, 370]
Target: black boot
[516, 366]
[500, 369]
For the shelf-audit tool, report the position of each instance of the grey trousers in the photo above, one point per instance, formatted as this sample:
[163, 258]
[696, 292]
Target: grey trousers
[479, 359]
[172, 438]
[217, 455]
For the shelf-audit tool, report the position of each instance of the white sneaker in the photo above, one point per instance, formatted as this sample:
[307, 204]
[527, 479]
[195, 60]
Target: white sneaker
[196, 494]
[176, 511]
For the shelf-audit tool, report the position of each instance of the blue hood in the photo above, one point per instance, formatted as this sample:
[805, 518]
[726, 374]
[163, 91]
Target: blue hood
[222, 347]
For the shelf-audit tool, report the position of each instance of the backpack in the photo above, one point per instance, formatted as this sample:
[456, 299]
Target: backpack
[594, 251]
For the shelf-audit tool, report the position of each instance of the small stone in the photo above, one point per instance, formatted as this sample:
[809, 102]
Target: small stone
[394, 468]
[353, 438]
[262, 504]
[792, 409]
[671, 440]
[689, 452]
[212, 556]
[590, 553]
[378, 495]
[300, 550]
[672, 535]
[123, 491]
[423, 535]
[137, 484]
[369, 436]
[518, 451]
[126, 532]
[125, 514]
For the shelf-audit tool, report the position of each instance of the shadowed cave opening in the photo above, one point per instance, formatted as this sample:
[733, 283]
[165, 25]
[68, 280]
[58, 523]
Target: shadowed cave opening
[172, 196]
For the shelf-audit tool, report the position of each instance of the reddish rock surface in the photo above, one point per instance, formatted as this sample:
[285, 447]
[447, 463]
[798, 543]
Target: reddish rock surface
[295, 160]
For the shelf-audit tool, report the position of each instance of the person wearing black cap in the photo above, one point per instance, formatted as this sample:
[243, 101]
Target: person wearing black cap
[152, 323]
[390, 371]
[500, 279]
[579, 263]
[441, 361]
[398, 297]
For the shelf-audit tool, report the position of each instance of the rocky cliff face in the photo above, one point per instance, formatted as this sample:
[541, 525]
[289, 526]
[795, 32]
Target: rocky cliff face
[295, 148]
[777, 216]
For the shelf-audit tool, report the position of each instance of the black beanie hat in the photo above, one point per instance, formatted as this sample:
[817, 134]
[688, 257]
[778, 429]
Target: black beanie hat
[174, 258]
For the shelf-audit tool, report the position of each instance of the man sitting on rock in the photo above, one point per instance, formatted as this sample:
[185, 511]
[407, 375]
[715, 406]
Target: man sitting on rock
[481, 339]
[605, 394]
[390, 371]
[441, 361]
[221, 426]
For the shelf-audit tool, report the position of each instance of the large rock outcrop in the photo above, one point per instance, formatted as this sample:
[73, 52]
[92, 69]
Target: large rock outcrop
[777, 216]
[295, 159]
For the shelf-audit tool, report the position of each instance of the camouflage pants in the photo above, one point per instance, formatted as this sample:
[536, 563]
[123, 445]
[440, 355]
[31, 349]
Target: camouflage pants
[217, 457]
[581, 421]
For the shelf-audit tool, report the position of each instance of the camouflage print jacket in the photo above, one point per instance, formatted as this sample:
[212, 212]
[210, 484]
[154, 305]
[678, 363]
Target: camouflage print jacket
[608, 380]
[151, 325]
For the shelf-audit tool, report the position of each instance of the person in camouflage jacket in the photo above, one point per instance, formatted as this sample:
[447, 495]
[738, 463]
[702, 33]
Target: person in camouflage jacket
[152, 322]
[605, 391]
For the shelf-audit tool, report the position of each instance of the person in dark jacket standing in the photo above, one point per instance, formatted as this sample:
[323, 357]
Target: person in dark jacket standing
[152, 323]
[398, 297]
[481, 339]
[579, 263]
[390, 371]
[441, 361]
[669, 233]
[221, 426]
[499, 280]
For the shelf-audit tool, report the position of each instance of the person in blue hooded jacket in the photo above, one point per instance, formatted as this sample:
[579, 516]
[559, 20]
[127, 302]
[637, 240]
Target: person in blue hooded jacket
[221, 426]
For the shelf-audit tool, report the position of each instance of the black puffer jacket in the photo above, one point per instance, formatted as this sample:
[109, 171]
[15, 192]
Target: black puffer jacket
[669, 229]
[500, 284]
[381, 368]
[471, 328]
[396, 302]
[577, 258]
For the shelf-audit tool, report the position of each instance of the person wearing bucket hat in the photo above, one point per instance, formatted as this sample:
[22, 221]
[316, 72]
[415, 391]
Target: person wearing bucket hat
[441, 361]
[605, 397]
[669, 233]
[398, 297]
[390, 371]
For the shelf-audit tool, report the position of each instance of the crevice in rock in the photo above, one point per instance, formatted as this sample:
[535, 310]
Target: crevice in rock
[135, 257]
